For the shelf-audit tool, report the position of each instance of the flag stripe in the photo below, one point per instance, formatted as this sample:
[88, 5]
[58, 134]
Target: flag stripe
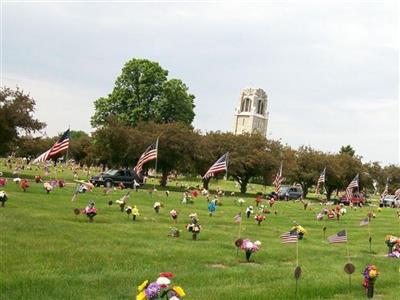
[148, 155]
[219, 166]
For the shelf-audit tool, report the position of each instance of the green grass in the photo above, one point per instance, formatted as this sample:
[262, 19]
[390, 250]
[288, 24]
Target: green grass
[49, 253]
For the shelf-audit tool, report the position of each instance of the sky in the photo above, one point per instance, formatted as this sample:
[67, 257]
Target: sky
[330, 68]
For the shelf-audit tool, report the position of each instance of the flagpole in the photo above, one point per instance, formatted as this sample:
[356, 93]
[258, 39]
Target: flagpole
[155, 172]
[227, 161]
[66, 155]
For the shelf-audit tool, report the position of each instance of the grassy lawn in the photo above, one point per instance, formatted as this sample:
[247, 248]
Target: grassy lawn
[49, 253]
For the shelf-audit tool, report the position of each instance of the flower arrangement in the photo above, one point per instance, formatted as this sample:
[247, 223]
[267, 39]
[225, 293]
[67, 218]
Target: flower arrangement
[47, 187]
[157, 206]
[174, 215]
[212, 208]
[174, 232]
[38, 178]
[370, 274]
[3, 181]
[248, 247]
[241, 201]
[259, 218]
[194, 227]
[135, 212]
[3, 198]
[160, 289]
[90, 211]
[271, 202]
[393, 244]
[24, 184]
[249, 211]
[300, 230]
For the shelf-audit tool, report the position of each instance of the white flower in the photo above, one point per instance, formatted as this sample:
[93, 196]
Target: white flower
[257, 243]
[17, 179]
[163, 281]
[174, 298]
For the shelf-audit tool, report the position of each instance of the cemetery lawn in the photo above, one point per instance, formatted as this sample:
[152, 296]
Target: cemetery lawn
[47, 252]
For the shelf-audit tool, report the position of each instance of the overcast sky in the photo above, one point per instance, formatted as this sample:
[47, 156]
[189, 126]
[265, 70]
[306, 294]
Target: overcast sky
[330, 68]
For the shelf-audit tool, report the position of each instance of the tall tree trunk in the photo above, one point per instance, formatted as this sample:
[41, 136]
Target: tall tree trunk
[164, 178]
[243, 185]
[329, 194]
[206, 182]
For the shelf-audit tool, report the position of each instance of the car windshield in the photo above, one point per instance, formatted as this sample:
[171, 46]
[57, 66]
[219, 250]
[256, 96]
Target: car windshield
[284, 189]
[111, 172]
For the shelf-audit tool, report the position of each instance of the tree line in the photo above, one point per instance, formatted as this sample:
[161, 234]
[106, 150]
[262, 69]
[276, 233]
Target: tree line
[145, 104]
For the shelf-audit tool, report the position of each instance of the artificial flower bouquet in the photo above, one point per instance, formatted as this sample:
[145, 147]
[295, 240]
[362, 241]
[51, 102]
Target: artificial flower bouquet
[174, 232]
[157, 206]
[393, 244]
[174, 215]
[194, 227]
[248, 247]
[90, 211]
[259, 218]
[160, 289]
[3, 198]
[370, 274]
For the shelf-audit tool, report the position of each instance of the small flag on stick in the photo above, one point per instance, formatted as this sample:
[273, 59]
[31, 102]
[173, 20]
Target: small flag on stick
[289, 237]
[340, 237]
[364, 222]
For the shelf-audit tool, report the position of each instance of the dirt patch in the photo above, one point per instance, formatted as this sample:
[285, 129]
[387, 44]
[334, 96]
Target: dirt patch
[217, 266]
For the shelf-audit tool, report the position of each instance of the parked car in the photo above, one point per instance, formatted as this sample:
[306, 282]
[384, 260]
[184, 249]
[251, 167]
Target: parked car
[115, 176]
[290, 192]
[356, 199]
[391, 200]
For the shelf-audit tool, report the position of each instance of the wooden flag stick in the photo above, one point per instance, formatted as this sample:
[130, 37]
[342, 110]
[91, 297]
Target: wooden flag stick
[369, 238]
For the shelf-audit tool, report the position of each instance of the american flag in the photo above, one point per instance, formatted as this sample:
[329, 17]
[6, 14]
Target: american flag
[340, 237]
[61, 145]
[238, 218]
[397, 194]
[278, 180]
[219, 166]
[349, 189]
[148, 155]
[364, 222]
[321, 179]
[386, 190]
[290, 237]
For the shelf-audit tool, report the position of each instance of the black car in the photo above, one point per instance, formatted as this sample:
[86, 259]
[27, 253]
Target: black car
[290, 192]
[113, 177]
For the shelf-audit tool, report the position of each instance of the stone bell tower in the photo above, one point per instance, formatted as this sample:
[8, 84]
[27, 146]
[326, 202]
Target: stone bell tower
[251, 114]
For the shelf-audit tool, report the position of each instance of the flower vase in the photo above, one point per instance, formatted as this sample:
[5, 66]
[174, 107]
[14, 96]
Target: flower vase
[157, 209]
[194, 236]
[259, 223]
[248, 254]
[370, 290]
[2, 203]
[90, 219]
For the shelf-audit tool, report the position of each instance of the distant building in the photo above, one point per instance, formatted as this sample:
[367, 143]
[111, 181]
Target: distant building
[251, 114]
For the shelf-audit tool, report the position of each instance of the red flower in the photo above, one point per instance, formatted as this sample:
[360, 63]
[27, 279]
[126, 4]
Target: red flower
[167, 274]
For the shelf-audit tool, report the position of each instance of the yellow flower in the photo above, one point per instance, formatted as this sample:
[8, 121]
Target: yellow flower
[141, 296]
[142, 286]
[179, 291]
[373, 273]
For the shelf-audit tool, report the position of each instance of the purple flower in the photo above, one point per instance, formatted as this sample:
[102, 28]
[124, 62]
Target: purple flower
[152, 290]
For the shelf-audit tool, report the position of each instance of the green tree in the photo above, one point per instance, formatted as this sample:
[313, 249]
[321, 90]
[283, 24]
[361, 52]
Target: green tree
[16, 117]
[143, 93]
[176, 104]
[347, 150]
[308, 166]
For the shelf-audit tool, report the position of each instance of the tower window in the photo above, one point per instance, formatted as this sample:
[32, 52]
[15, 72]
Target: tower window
[246, 105]
[260, 107]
